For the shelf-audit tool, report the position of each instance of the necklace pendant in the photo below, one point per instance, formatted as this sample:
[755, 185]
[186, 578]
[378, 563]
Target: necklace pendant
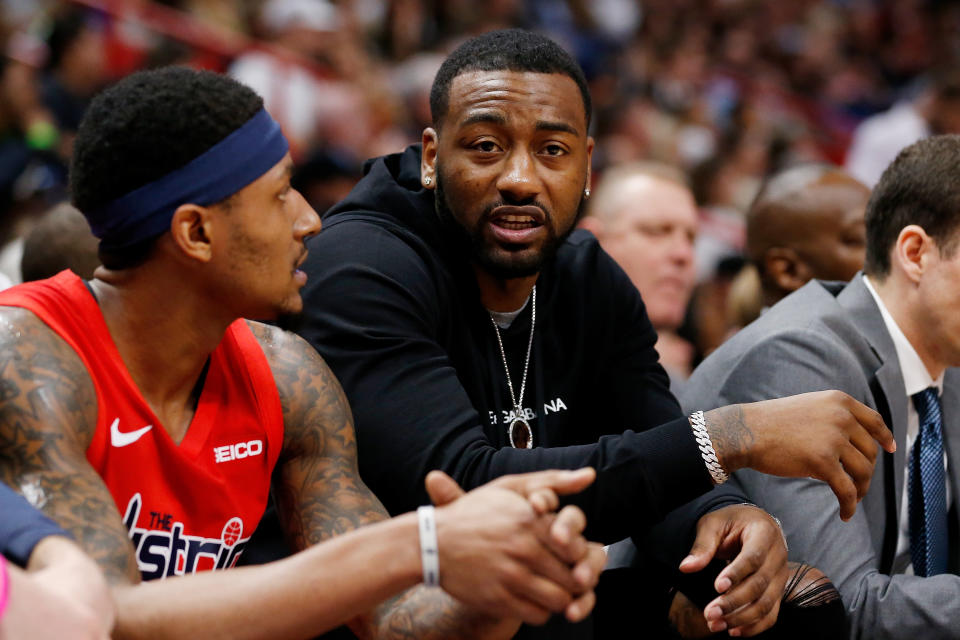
[520, 434]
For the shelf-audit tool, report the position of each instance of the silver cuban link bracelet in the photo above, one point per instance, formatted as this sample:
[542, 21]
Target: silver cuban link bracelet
[707, 452]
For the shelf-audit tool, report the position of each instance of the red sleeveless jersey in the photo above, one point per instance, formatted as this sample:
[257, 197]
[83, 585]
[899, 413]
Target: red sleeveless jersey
[188, 507]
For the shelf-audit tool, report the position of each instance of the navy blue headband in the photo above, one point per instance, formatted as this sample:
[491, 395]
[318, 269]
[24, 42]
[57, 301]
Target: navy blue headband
[222, 170]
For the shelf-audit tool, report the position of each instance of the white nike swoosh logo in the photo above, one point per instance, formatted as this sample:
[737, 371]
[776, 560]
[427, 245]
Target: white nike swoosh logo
[123, 438]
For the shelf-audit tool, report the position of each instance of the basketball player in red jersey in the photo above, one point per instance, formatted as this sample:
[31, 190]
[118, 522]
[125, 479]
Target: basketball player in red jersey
[143, 415]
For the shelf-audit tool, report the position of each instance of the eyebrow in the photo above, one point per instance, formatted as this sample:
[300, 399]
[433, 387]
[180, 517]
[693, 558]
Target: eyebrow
[496, 118]
[493, 118]
[543, 125]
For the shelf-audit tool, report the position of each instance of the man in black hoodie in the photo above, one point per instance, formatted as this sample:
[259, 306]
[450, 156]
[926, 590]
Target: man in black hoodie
[474, 333]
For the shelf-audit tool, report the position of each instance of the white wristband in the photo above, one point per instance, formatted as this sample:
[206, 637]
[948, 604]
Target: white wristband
[429, 551]
[707, 452]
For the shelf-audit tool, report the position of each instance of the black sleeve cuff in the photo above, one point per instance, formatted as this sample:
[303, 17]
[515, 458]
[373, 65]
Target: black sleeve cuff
[679, 469]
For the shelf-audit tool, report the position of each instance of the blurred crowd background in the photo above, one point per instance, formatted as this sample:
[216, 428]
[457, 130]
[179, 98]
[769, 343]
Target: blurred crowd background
[728, 91]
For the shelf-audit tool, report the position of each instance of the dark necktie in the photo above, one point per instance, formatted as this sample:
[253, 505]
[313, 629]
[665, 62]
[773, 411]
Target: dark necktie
[927, 489]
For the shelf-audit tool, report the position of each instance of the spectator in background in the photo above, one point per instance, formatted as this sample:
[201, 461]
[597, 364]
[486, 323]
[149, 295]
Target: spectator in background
[325, 178]
[878, 139]
[411, 80]
[228, 15]
[292, 90]
[33, 149]
[806, 222]
[645, 217]
[718, 251]
[71, 71]
[27, 135]
[750, 86]
[60, 239]
[319, 82]
[75, 68]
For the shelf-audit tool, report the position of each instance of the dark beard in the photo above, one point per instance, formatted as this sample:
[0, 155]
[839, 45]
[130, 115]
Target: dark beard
[483, 255]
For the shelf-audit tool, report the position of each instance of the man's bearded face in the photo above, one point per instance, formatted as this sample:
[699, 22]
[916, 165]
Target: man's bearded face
[505, 260]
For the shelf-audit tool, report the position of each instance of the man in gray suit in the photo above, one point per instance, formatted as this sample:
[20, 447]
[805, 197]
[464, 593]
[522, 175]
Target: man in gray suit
[891, 333]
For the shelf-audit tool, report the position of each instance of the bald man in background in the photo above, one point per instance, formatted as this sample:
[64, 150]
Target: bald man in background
[645, 217]
[806, 222]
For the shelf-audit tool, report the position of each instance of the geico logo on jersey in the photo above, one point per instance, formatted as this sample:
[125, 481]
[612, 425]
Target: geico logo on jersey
[162, 553]
[238, 451]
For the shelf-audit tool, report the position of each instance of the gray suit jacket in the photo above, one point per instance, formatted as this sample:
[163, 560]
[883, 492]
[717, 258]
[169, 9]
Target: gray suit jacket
[831, 336]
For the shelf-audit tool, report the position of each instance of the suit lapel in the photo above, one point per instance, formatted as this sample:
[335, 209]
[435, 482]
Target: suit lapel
[886, 385]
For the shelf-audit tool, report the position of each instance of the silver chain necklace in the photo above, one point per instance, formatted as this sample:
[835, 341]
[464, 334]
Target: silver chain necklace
[519, 432]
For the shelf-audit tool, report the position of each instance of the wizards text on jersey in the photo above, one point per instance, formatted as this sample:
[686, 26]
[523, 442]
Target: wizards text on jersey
[168, 551]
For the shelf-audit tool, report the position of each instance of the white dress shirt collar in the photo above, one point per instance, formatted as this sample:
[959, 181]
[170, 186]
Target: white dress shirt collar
[916, 378]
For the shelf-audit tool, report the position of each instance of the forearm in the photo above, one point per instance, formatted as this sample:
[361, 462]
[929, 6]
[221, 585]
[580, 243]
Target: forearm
[640, 476]
[730, 436]
[298, 597]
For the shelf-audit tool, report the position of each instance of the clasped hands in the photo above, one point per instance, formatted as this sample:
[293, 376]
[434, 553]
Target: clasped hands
[505, 551]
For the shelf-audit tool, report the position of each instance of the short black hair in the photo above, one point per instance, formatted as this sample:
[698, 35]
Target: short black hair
[147, 125]
[505, 50]
[919, 187]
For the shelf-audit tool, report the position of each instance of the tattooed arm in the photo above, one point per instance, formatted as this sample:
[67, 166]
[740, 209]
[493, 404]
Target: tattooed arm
[321, 495]
[47, 416]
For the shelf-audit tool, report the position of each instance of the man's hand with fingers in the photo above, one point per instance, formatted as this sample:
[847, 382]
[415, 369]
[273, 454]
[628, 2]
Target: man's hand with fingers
[62, 594]
[504, 551]
[825, 435]
[809, 606]
[752, 584]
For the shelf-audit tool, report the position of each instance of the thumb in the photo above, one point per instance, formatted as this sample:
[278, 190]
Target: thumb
[704, 547]
[574, 481]
[561, 482]
[441, 488]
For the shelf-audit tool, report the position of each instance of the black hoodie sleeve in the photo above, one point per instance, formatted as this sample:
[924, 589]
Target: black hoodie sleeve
[372, 309]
